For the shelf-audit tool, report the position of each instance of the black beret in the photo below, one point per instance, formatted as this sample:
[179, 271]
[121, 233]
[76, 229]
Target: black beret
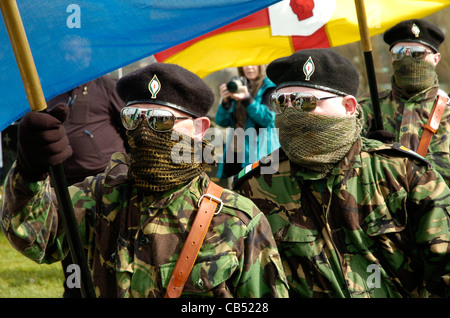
[168, 85]
[322, 69]
[415, 31]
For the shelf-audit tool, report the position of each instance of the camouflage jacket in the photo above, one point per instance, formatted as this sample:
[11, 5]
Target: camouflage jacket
[376, 226]
[407, 117]
[133, 242]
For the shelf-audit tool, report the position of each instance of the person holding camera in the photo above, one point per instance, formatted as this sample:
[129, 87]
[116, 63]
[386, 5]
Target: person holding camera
[244, 108]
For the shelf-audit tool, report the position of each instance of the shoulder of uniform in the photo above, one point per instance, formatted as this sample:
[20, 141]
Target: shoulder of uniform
[394, 149]
[384, 94]
[238, 206]
[366, 97]
[117, 169]
[410, 153]
[254, 169]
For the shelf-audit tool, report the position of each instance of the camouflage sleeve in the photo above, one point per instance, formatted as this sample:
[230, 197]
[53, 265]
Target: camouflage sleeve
[263, 274]
[429, 213]
[29, 218]
[423, 198]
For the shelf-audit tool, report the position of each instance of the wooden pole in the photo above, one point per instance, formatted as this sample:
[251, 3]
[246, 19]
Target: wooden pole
[36, 99]
[368, 58]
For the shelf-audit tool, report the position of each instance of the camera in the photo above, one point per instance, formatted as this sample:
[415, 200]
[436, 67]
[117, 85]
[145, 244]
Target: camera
[236, 83]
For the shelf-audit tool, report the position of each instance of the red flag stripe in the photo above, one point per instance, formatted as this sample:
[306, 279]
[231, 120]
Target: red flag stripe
[318, 39]
[255, 20]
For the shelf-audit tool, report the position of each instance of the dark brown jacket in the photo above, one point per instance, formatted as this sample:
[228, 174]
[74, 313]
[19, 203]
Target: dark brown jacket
[93, 127]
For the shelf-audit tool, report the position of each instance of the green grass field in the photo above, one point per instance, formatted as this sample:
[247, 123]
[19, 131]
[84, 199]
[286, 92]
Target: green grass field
[23, 278]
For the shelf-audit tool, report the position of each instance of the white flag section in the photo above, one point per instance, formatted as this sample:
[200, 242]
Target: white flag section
[300, 17]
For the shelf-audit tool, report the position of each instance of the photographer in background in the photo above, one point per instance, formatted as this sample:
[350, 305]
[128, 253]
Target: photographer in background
[244, 105]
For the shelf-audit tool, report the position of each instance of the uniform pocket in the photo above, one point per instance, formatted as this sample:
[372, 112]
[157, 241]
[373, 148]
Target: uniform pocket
[207, 273]
[298, 242]
[440, 144]
[389, 217]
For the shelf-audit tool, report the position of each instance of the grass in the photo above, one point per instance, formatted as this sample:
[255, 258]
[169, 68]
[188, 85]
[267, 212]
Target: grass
[20, 277]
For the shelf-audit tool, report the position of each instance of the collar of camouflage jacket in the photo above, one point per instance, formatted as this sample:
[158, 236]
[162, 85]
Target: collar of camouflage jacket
[428, 94]
[196, 186]
[352, 160]
[116, 172]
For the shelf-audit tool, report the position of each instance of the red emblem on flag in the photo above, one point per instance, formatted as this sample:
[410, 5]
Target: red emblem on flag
[302, 8]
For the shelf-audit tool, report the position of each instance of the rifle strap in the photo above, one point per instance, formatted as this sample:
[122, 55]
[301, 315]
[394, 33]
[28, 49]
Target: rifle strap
[432, 124]
[194, 240]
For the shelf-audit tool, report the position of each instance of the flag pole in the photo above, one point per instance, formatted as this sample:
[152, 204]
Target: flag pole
[36, 99]
[368, 58]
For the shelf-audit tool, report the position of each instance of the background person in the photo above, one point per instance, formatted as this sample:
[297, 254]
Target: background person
[93, 127]
[247, 109]
[406, 107]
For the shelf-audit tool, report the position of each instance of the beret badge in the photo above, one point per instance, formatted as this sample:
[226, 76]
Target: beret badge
[308, 68]
[154, 86]
[415, 30]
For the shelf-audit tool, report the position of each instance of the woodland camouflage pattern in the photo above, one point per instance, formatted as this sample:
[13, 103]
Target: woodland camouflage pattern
[407, 117]
[134, 242]
[377, 226]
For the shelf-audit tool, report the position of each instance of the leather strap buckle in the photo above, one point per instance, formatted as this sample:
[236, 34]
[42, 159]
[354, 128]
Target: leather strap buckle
[212, 198]
[430, 128]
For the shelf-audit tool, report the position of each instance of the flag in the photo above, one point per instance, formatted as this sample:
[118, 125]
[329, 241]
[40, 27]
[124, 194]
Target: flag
[73, 42]
[289, 26]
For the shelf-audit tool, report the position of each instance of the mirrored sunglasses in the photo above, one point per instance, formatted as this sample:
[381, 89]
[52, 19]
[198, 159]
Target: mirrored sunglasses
[416, 52]
[303, 102]
[158, 119]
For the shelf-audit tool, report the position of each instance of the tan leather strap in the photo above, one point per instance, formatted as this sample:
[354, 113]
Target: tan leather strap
[207, 207]
[432, 124]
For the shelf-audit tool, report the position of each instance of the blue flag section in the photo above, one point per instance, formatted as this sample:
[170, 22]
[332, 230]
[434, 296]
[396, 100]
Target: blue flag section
[75, 41]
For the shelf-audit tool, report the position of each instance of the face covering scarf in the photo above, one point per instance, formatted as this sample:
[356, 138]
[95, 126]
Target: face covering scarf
[413, 76]
[317, 142]
[160, 161]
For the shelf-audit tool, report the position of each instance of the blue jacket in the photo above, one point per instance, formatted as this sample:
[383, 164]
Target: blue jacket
[258, 116]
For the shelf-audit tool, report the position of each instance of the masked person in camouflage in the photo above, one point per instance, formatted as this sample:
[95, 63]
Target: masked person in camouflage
[352, 217]
[134, 218]
[407, 106]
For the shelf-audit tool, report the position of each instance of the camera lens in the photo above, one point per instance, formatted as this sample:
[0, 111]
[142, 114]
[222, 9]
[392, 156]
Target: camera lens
[232, 86]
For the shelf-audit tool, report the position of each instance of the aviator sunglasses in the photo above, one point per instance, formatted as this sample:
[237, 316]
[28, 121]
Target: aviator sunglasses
[158, 119]
[303, 102]
[416, 52]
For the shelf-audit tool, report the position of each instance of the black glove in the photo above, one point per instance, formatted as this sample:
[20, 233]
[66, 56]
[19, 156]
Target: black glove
[382, 135]
[42, 142]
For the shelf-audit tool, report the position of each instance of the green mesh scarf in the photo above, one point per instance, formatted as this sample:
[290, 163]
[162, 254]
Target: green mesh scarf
[317, 142]
[413, 76]
[160, 161]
